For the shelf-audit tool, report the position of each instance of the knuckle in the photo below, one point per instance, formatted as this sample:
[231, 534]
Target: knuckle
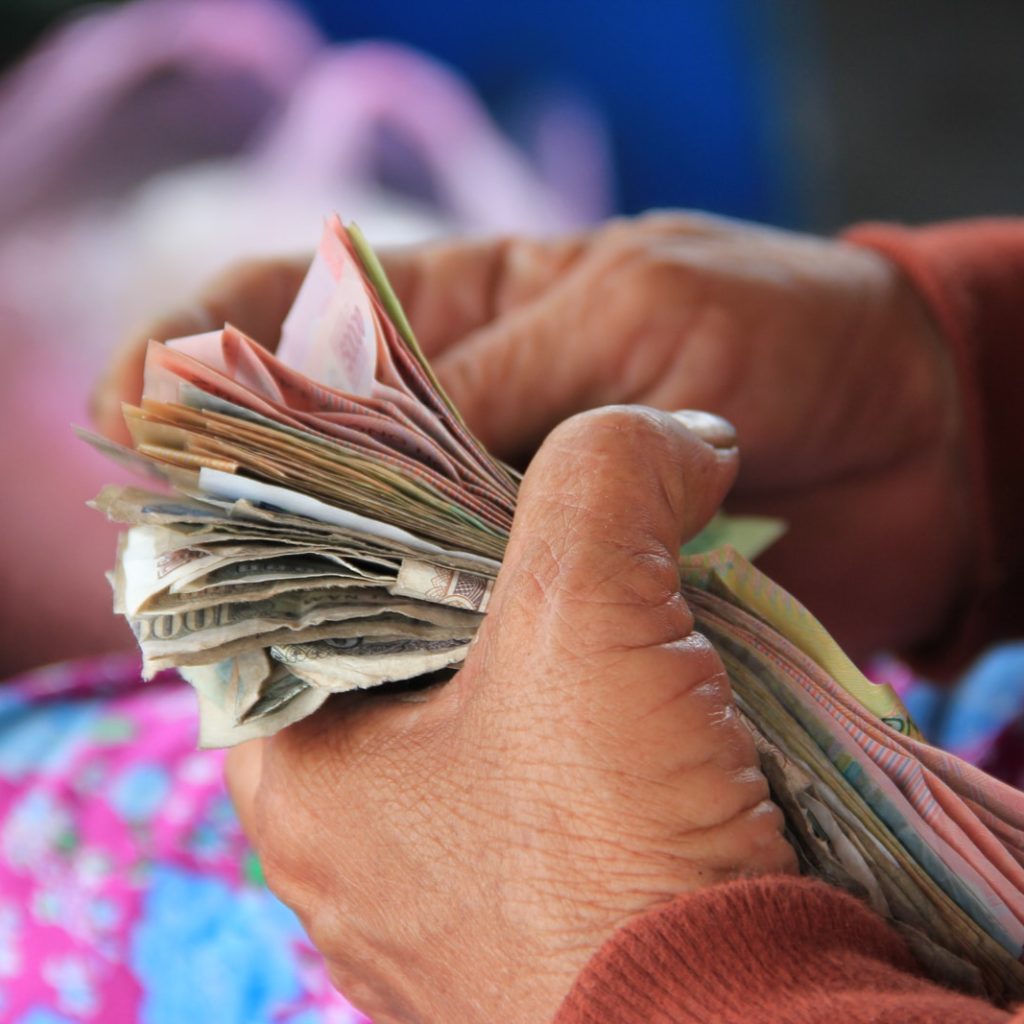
[768, 850]
[242, 274]
[698, 649]
[283, 875]
[645, 265]
[632, 579]
[692, 224]
[326, 928]
[617, 229]
[694, 662]
[661, 278]
[664, 220]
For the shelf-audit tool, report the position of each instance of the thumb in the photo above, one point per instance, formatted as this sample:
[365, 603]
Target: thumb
[590, 657]
[592, 563]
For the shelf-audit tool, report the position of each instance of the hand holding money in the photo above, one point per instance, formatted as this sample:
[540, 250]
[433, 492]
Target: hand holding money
[585, 764]
[819, 352]
[333, 526]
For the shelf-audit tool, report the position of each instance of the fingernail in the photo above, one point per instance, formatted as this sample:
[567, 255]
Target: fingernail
[711, 429]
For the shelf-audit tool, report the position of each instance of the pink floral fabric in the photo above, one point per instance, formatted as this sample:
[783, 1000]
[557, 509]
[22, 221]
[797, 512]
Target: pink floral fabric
[127, 890]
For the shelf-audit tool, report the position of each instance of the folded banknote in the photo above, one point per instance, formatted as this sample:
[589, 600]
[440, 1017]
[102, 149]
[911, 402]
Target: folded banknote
[324, 521]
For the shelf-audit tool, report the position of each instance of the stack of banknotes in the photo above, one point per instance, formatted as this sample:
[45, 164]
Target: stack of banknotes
[324, 521]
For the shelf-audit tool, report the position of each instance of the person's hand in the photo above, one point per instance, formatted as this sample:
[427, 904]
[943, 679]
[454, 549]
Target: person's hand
[461, 858]
[818, 351]
[254, 295]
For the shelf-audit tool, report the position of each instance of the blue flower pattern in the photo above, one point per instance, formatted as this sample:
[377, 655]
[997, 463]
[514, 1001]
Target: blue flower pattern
[127, 892]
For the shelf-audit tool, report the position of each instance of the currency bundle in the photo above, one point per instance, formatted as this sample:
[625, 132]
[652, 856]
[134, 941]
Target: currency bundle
[324, 522]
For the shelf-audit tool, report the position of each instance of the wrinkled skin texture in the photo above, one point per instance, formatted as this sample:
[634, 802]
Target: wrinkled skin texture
[461, 858]
[818, 351]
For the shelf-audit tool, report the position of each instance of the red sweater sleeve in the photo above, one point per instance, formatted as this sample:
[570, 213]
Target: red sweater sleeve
[793, 950]
[971, 276]
[772, 950]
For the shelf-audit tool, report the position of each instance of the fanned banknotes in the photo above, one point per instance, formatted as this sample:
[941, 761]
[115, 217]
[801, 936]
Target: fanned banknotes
[331, 524]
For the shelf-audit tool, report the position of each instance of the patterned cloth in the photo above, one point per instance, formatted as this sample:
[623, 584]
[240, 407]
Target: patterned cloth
[127, 890]
[981, 719]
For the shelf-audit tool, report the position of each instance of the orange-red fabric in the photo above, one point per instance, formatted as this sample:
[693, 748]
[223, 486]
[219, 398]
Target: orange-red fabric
[773, 950]
[971, 276]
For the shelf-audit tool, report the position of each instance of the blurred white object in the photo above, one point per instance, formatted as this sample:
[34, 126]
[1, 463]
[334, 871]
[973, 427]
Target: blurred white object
[313, 149]
[143, 148]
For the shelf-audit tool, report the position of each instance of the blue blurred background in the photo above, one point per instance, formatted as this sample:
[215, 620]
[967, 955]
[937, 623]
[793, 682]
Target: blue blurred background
[808, 113]
[688, 90]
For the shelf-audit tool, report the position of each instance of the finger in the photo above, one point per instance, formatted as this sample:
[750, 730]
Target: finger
[254, 296]
[243, 769]
[603, 331]
[589, 594]
[592, 562]
[451, 288]
[511, 381]
[518, 375]
[670, 224]
[121, 381]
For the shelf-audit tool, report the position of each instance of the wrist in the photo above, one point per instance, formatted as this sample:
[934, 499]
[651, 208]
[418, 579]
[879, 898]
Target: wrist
[937, 464]
[968, 275]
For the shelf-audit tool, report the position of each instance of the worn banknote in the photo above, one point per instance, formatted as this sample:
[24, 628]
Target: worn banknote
[324, 521]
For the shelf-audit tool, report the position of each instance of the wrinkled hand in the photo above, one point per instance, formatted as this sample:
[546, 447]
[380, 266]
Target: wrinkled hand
[254, 295]
[461, 858]
[818, 351]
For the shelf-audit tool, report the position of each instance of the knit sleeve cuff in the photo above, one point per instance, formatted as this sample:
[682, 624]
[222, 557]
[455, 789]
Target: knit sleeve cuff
[770, 949]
